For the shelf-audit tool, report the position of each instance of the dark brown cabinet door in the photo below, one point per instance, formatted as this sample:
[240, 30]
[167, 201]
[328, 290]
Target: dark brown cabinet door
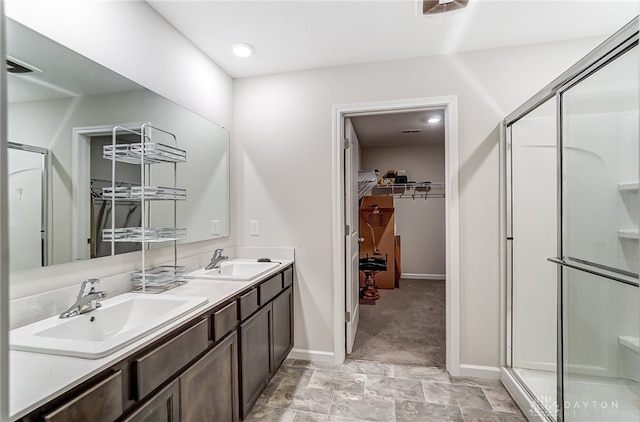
[255, 357]
[162, 407]
[282, 327]
[209, 388]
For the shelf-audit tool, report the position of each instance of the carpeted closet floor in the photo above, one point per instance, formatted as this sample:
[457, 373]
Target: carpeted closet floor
[405, 326]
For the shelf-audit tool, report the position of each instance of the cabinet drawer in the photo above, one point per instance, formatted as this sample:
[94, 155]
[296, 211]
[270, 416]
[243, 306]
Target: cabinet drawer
[154, 368]
[225, 320]
[270, 288]
[248, 304]
[102, 402]
[287, 277]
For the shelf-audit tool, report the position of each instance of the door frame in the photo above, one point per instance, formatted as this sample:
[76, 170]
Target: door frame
[452, 229]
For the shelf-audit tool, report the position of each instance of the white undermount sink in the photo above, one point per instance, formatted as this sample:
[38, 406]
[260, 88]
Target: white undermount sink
[118, 322]
[236, 270]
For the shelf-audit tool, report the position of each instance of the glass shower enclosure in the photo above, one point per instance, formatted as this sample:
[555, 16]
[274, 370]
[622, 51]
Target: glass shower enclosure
[572, 212]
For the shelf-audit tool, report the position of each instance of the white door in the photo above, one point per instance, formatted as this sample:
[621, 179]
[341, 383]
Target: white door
[351, 239]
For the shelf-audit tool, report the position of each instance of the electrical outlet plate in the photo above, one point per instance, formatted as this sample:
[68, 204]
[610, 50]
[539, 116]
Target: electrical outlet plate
[254, 228]
[215, 226]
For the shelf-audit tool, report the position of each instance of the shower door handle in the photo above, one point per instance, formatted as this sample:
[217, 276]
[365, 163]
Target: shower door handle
[598, 270]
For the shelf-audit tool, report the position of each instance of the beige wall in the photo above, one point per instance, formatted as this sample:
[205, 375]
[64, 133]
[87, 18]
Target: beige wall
[282, 169]
[420, 223]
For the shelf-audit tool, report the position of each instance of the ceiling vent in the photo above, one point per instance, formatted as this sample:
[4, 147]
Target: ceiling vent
[19, 67]
[434, 7]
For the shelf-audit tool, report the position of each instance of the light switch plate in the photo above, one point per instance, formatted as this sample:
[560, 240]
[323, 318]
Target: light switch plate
[254, 228]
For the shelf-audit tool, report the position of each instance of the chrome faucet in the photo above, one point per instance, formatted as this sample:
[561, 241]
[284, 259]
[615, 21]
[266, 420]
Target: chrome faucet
[87, 299]
[216, 259]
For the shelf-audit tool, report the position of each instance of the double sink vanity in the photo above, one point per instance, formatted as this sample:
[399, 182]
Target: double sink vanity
[203, 351]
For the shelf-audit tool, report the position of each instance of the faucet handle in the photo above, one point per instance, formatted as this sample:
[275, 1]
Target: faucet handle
[218, 253]
[89, 286]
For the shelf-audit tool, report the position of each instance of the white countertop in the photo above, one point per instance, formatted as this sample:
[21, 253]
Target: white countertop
[37, 378]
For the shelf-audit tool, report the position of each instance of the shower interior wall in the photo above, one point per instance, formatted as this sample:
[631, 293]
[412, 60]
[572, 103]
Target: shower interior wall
[603, 170]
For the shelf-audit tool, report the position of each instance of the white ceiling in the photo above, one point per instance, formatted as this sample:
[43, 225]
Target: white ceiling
[383, 130]
[306, 34]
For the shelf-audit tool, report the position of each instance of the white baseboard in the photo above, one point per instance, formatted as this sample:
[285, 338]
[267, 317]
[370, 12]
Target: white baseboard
[424, 276]
[312, 355]
[479, 371]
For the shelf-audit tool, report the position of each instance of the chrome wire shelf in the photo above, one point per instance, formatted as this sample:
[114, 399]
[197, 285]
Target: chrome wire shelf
[151, 193]
[147, 235]
[147, 152]
[158, 279]
[157, 288]
[161, 275]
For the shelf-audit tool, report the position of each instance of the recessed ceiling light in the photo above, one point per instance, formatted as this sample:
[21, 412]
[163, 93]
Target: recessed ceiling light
[434, 119]
[242, 49]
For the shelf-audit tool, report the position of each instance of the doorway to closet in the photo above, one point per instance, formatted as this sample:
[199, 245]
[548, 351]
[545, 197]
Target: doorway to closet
[400, 201]
[415, 320]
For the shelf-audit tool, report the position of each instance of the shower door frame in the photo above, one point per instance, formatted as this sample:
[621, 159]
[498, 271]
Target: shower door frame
[45, 238]
[616, 45]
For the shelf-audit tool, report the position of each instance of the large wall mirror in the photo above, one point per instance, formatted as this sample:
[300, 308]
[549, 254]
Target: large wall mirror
[62, 108]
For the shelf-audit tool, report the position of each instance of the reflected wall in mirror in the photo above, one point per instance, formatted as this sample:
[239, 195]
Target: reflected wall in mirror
[62, 102]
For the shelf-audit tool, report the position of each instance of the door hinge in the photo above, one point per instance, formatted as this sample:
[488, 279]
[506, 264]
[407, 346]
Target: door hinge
[347, 316]
[347, 230]
[347, 143]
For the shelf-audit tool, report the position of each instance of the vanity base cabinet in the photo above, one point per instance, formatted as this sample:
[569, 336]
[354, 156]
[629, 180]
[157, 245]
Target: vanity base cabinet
[255, 357]
[209, 388]
[162, 407]
[208, 369]
[266, 338]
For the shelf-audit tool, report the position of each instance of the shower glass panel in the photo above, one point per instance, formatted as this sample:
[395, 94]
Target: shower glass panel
[601, 366]
[600, 159]
[534, 221]
[600, 241]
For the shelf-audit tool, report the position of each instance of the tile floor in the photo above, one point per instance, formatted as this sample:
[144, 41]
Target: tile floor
[358, 391]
